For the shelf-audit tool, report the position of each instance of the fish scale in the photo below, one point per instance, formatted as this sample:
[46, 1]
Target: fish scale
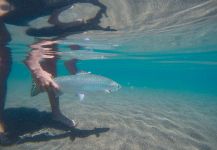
[85, 83]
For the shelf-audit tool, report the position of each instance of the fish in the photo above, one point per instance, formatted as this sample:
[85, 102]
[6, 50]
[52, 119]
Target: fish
[81, 84]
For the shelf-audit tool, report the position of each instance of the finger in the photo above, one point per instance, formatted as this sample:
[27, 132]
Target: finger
[47, 83]
[49, 53]
[55, 85]
[47, 56]
[46, 49]
[49, 75]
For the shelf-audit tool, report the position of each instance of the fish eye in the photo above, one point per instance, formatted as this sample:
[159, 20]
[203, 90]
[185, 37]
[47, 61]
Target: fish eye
[114, 84]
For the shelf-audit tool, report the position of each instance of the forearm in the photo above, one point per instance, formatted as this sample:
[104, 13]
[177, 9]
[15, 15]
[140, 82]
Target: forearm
[33, 62]
[33, 66]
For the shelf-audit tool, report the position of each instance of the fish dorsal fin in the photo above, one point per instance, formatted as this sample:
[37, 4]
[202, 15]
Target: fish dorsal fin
[82, 72]
[36, 89]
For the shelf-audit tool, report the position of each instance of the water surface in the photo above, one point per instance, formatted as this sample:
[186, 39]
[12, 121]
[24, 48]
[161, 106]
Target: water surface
[164, 54]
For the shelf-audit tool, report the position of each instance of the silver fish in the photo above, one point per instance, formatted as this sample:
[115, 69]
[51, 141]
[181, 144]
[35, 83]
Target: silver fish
[84, 83]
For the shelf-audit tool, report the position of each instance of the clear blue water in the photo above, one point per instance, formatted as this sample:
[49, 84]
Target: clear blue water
[194, 72]
[166, 62]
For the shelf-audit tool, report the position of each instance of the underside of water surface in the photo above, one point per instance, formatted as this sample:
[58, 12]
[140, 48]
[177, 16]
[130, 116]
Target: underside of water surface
[163, 53]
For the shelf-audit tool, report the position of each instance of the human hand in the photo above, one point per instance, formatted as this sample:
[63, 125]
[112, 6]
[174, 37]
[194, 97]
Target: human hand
[44, 80]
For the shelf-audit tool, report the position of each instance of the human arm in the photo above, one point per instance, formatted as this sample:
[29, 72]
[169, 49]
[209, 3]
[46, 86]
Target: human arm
[33, 60]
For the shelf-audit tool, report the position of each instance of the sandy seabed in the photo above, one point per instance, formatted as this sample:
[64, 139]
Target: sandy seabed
[130, 119]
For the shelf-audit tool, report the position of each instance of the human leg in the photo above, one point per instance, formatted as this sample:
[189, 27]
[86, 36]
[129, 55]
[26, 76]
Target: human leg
[71, 66]
[49, 65]
[5, 67]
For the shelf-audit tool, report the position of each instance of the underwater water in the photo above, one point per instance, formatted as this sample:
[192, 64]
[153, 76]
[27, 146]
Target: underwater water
[163, 54]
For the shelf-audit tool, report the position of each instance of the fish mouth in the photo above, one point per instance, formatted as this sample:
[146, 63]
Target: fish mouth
[118, 86]
[115, 87]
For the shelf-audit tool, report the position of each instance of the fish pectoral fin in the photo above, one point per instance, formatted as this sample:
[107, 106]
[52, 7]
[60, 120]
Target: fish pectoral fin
[81, 96]
[107, 91]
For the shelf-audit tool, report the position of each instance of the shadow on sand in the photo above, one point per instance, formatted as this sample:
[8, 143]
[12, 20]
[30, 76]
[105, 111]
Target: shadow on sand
[30, 125]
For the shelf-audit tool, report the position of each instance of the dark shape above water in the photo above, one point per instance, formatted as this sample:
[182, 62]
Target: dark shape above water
[86, 19]
[28, 10]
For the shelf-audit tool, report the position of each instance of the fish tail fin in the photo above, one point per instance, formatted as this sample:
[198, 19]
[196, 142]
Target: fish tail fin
[36, 89]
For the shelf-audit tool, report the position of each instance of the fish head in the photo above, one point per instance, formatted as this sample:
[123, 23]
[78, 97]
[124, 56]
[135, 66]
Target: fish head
[113, 87]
